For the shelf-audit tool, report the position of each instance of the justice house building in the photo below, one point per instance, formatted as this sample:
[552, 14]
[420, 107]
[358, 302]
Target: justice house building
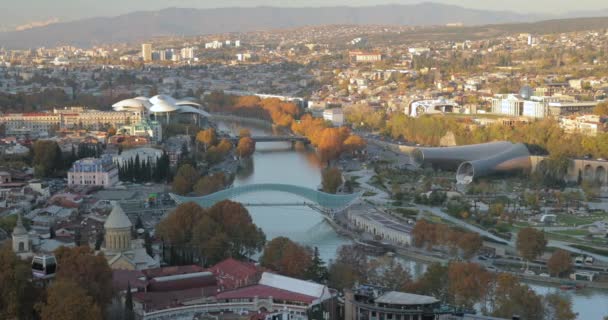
[135, 116]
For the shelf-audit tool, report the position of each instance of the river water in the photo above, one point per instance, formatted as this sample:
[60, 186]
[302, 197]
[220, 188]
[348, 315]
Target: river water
[277, 162]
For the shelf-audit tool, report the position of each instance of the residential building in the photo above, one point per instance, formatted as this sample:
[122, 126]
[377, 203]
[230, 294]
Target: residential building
[557, 109]
[146, 52]
[334, 115]
[509, 104]
[360, 56]
[93, 172]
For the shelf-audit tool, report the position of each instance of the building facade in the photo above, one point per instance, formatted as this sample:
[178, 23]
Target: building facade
[146, 51]
[93, 172]
[41, 123]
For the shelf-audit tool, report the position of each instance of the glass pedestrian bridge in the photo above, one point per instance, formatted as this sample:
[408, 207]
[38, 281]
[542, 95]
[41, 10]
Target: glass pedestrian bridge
[324, 201]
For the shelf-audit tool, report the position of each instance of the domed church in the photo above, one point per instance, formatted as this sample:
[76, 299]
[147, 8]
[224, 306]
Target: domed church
[119, 249]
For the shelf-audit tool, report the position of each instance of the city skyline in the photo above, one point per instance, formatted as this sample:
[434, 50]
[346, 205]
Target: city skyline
[33, 12]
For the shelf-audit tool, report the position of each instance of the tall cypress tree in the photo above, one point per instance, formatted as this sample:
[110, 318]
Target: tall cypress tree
[129, 314]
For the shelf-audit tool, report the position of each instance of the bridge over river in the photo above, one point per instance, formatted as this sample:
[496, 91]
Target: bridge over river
[323, 202]
[274, 139]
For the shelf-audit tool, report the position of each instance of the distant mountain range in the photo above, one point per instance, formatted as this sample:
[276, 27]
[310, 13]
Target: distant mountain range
[139, 26]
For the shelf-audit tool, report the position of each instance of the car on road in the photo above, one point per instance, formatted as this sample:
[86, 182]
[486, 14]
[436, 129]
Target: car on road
[529, 273]
[546, 275]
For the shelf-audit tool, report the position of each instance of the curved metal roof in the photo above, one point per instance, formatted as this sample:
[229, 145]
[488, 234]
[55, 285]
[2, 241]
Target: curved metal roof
[131, 104]
[163, 106]
[190, 109]
[516, 157]
[188, 103]
[162, 98]
[452, 157]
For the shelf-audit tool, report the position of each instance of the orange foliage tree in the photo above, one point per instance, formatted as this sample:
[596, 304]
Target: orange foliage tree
[287, 257]
[91, 271]
[245, 147]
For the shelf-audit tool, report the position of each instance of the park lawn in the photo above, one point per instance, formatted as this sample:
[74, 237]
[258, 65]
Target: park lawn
[573, 232]
[570, 220]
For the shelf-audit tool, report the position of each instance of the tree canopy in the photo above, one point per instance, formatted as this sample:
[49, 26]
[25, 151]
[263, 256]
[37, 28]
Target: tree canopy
[530, 243]
[213, 234]
[82, 266]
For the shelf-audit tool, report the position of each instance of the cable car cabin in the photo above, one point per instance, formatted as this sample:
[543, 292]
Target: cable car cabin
[44, 267]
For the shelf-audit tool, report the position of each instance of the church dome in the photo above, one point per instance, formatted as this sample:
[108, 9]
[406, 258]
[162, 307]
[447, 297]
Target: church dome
[117, 219]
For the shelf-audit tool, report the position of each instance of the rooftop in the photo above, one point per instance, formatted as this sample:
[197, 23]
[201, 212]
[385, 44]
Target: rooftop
[403, 298]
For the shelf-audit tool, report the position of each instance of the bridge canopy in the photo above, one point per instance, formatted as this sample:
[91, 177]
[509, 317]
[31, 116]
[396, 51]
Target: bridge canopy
[324, 200]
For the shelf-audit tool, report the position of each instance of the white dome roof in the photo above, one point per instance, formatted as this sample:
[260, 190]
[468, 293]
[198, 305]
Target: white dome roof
[163, 106]
[162, 97]
[117, 219]
[131, 104]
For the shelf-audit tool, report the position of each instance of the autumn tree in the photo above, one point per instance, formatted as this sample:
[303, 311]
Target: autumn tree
[560, 262]
[210, 184]
[512, 297]
[287, 257]
[91, 271]
[244, 132]
[245, 147]
[349, 267]
[206, 137]
[434, 282]
[331, 179]
[354, 143]
[17, 295]
[468, 283]
[530, 243]
[224, 230]
[388, 273]
[601, 109]
[469, 243]
[66, 300]
[557, 307]
[185, 179]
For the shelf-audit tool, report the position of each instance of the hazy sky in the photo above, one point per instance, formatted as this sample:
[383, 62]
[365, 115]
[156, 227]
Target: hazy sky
[15, 12]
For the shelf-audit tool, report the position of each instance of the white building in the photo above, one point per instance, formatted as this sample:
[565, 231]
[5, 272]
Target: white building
[146, 51]
[93, 172]
[335, 116]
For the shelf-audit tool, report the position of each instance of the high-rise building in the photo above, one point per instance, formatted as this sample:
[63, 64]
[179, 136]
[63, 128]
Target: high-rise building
[146, 51]
[187, 53]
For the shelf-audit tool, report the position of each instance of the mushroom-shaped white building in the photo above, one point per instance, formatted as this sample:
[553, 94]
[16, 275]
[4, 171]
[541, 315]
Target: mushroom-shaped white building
[163, 108]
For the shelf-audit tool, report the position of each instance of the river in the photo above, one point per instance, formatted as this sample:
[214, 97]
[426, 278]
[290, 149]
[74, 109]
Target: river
[277, 162]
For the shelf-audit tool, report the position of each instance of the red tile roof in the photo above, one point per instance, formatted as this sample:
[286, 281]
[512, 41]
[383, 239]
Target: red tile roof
[232, 273]
[200, 282]
[121, 279]
[262, 291]
[161, 300]
[171, 271]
